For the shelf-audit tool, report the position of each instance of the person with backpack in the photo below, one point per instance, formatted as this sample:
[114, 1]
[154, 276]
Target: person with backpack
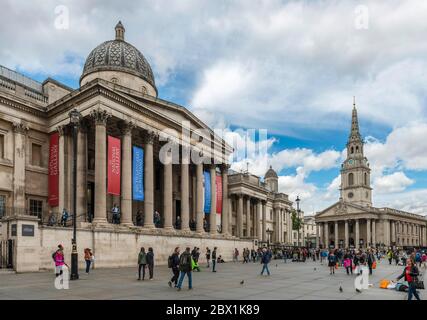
[208, 256]
[214, 259]
[265, 260]
[185, 267]
[58, 258]
[410, 273]
[173, 263]
[142, 262]
[150, 262]
[332, 262]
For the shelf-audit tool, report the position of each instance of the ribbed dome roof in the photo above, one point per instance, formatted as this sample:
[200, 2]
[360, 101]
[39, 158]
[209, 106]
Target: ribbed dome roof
[118, 55]
[271, 173]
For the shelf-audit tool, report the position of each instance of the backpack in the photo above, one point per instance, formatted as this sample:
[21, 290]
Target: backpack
[170, 262]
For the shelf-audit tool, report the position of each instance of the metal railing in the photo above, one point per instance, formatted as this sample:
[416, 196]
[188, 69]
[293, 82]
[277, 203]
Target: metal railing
[7, 248]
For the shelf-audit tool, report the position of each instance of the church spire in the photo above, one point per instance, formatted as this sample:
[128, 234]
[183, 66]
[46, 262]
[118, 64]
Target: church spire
[354, 133]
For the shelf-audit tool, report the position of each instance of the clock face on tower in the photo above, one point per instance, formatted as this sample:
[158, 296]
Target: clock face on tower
[350, 161]
[350, 195]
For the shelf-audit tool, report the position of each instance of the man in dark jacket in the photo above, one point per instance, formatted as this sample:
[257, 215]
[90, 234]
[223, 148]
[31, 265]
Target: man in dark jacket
[214, 259]
[185, 267]
[370, 259]
[150, 262]
[265, 260]
[175, 268]
[411, 276]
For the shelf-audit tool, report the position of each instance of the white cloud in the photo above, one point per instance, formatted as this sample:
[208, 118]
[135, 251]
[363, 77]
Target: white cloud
[395, 182]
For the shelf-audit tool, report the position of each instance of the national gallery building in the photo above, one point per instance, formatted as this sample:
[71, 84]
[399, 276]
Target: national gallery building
[127, 141]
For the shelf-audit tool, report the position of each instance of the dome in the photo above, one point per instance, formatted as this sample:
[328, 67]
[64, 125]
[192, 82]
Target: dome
[118, 55]
[271, 174]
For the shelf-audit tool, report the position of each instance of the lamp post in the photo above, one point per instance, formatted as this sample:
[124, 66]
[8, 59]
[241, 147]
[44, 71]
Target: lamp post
[297, 200]
[75, 117]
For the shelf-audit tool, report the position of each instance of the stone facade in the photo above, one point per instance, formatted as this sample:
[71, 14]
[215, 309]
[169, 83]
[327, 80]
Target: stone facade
[353, 221]
[258, 211]
[117, 97]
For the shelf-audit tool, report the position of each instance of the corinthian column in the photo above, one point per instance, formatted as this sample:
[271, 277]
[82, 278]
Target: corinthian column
[240, 216]
[20, 131]
[225, 206]
[185, 198]
[346, 243]
[264, 222]
[148, 180]
[248, 217]
[212, 214]
[368, 232]
[61, 168]
[126, 201]
[100, 116]
[167, 191]
[81, 196]
[199, 198]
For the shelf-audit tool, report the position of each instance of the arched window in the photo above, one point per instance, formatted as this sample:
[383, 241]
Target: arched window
[144, 89]
[357, 149]
[350, 179]
[366, 179]
[114, 80]
[352, 150]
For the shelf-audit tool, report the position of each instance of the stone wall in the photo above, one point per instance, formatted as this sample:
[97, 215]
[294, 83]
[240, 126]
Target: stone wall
[116, 248]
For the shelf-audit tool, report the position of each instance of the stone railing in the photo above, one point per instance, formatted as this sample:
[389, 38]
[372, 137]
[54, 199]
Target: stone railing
[7, 84]
[36, 95]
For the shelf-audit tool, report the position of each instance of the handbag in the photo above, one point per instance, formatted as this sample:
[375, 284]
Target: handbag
[374, 265]
[419, 284]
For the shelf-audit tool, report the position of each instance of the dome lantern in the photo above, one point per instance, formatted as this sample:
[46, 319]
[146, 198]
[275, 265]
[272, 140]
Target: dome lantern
[120, 31]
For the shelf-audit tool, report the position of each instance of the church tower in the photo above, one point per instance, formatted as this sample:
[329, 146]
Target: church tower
[355, 171]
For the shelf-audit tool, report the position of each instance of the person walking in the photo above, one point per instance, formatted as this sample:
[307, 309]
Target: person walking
[371, 260]
[142, 262]
[185, 268]
[59, 260]
[410, 273]
[236, 255]
[347, 263]
[265, 260]
[214, 259]
[88, 259]
[390, 256]
[208, 256]
[332, 262]
[150, 262]
[174, 265]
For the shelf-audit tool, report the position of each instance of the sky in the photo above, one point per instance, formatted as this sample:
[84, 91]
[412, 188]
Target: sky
[288, 67]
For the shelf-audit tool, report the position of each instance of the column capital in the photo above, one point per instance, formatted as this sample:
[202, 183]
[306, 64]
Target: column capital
[20, 127]
[224, 167]
[149, 137]
[62, 129]
[126, 127]
[100, 116]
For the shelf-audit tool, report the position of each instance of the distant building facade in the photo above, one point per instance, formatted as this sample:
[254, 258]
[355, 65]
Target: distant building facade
[353, 221]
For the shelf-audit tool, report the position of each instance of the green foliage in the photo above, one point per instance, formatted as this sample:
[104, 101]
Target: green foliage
[297, 222]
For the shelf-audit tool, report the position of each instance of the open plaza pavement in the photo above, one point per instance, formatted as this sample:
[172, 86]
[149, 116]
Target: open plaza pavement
[288, 281]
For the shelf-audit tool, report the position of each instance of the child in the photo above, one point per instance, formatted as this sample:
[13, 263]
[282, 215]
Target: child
[347, 265]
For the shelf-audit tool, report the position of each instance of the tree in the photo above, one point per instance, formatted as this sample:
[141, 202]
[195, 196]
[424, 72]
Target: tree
[297, 222]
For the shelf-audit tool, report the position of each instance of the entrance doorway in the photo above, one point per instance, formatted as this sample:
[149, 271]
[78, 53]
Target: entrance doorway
[90, 201]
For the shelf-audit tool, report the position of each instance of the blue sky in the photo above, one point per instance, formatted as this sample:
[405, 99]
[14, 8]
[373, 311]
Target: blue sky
[291, 67]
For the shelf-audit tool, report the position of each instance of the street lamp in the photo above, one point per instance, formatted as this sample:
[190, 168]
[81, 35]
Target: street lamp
[297, 200]
[75, 117]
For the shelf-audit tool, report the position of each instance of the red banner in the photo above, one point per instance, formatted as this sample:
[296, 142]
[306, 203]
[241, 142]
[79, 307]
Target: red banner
[218, 194]
[114, 164]
[53, 182]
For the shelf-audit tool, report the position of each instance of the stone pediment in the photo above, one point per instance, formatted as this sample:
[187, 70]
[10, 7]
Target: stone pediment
[341, 208]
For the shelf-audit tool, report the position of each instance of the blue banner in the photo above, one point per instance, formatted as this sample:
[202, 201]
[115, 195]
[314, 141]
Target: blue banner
[207, 186]
[138, 174]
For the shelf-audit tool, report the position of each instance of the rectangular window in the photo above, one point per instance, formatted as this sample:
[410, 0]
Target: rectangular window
[36, 208]
[1, 146]
[36, 155]
[2, 206]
